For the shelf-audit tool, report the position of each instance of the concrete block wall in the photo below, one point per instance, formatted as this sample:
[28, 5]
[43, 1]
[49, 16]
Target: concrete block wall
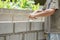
[14, 37]
[22, 27]
[20, 30]
[36, 26]
[6, 28]
[24, 36]
[1, 38]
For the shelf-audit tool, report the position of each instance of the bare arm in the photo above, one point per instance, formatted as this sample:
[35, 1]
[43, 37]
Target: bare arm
[47, 12]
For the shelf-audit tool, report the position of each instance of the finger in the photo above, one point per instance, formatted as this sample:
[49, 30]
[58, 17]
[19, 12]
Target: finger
[35, 17]
[31, 17]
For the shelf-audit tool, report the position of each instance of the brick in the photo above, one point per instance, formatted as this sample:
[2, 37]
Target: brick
[36, 26]
[21, 27]
[41, 35]
[30, 36]
[6, 28]
[14, 37]
[1, 38]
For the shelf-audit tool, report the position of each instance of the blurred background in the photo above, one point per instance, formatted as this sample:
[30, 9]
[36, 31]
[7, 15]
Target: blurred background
[22, 4]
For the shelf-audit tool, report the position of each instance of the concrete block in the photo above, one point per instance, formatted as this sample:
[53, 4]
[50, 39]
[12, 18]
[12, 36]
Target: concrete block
[3, 11]
[21, 17]
[0, 11]
[36, 26]
[41, 35]
[23, 11]
[6, 28]
[30, 36]
[14, 37]
[39, 19]
[5, 17]
[22, 27]
[1, 38]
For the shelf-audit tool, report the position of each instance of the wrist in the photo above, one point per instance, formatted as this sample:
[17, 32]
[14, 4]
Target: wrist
[33, 15]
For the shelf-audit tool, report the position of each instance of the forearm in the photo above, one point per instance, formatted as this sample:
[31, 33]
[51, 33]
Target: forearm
[47, 12]
[37, 11]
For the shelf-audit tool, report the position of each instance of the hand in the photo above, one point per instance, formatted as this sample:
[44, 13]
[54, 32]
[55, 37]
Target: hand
[32, 16]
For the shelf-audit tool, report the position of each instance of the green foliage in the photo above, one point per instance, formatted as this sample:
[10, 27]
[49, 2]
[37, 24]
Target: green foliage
[7, 4]
[1, 4]
[23, 3]
[13, 1]
[35, 7]
[19, 4]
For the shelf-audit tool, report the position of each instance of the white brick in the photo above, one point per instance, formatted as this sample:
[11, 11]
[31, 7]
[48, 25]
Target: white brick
[14, 37]
[6, 28]
[36, 26]
[1, 38]
[30, 36]
[41, 35]
[22, 26]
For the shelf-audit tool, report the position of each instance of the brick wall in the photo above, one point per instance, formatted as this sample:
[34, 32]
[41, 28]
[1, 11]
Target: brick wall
[12, 30]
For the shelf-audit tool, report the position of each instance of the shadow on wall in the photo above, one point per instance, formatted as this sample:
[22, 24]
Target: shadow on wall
[42, 2]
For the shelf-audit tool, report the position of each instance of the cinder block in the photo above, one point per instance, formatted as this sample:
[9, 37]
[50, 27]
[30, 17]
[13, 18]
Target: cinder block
[22, 27]
[23, 11]
[0, 11]
[41, 36]
[5, 17]
[39, 19]
[4, 11]
[6, 28]
[21, 17]
[36, 26]
[17, 11]
[14, 37]
[11, 11]
[30, 36]
[1, 38]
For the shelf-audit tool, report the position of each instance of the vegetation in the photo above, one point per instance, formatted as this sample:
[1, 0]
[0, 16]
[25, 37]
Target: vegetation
[19, 4]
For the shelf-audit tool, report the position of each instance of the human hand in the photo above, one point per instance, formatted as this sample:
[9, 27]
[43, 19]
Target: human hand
[32, 16]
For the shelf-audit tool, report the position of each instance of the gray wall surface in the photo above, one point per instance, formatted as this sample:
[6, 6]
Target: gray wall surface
[10, 30]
